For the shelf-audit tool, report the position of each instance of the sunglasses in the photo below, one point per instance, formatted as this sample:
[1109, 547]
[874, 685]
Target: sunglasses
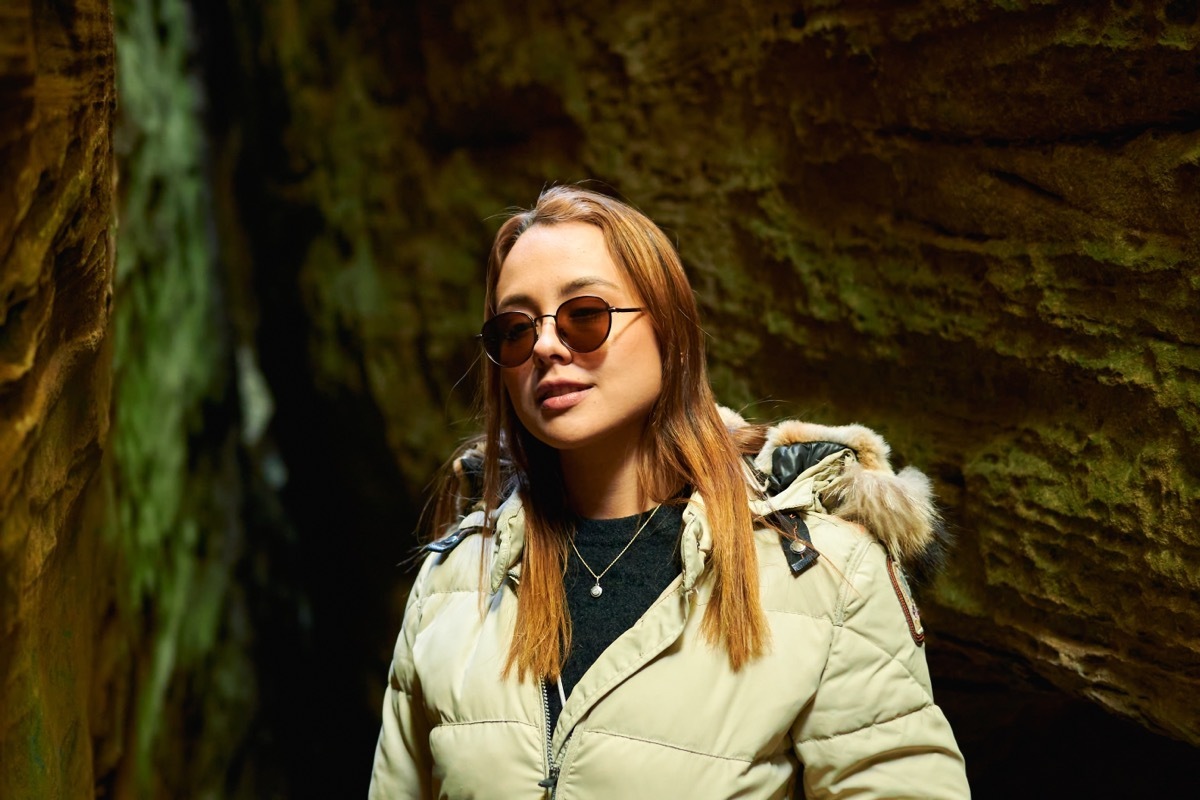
[582, 324]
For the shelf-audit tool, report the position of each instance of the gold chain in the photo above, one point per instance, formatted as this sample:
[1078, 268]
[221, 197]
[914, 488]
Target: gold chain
[596, 591]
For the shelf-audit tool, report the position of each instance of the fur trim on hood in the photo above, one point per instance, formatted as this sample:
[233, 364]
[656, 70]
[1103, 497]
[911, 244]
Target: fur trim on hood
[897, 508]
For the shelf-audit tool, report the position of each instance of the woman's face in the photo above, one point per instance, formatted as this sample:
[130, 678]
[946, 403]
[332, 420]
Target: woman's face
[577, 401]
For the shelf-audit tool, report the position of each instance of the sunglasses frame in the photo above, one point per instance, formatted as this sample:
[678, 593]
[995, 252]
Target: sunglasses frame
[537, 328]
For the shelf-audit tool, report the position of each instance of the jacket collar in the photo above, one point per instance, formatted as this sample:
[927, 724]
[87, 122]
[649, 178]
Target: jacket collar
[843, 470]
[509, 540]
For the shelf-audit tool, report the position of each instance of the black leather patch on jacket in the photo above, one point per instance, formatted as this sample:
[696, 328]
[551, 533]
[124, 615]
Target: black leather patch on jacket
[795, 540]
[448, 543]
[789, 461]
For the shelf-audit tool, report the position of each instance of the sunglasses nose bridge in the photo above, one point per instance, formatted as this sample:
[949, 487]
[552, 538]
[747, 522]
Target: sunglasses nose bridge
[539, 326]
[538, 323]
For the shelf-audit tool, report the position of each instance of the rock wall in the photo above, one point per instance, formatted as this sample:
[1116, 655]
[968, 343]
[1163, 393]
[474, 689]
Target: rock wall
[970, 225]
[125, 668]
[57, 99]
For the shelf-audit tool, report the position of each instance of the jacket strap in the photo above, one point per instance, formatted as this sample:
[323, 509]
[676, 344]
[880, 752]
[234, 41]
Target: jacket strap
[472, 523]
[795, 540]
[448, 543]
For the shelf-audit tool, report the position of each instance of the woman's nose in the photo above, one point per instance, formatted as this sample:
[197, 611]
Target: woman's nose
[548, 346]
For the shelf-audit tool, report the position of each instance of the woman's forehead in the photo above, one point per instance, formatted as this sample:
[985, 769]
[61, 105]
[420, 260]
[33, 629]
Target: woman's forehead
[554, 262]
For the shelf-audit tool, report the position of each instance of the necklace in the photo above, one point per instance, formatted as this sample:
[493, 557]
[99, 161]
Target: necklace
[596, 591]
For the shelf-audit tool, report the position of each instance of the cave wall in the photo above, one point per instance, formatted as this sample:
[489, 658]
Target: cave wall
[124, 663]
[969, 225]
[57, 100]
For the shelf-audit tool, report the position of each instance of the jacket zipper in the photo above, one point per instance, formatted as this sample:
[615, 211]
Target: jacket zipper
[551, 781]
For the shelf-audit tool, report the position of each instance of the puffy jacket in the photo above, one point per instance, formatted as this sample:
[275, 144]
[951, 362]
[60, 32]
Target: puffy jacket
[841, 698]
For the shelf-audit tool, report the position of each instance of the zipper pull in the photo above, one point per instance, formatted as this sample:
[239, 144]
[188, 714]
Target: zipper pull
[550, 783]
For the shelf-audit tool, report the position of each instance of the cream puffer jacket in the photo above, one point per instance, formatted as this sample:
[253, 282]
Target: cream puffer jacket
[841, 702]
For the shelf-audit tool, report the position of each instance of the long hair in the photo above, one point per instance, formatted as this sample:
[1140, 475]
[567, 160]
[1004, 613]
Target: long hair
[684, 442]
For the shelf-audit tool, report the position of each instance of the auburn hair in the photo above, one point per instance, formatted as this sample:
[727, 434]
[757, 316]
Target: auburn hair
[684, 443]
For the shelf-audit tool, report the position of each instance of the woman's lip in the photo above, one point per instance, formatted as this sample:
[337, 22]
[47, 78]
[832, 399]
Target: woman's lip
[547, 389]
[561, 402]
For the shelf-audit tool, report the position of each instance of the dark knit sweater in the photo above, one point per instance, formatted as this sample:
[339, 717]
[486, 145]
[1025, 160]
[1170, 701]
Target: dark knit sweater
[633, 583]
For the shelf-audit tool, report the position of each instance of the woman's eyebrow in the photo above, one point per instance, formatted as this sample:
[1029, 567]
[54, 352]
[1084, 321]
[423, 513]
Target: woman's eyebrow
[567, 290]
[586, 282]
[521, 300]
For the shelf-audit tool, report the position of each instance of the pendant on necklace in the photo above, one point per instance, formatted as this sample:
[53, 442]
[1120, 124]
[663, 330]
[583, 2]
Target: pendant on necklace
[596, 590]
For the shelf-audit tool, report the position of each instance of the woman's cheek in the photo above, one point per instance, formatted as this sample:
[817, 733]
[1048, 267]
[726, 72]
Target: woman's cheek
[514, 386]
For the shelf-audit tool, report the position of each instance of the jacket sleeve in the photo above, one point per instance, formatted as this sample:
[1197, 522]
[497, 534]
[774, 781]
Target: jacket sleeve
[402, 761]
[872, 729]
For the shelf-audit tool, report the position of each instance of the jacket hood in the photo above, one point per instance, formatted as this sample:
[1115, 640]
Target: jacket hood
[845, 470]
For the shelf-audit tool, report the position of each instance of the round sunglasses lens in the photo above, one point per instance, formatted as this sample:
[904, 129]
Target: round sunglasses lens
[583, 323]
[508, 338]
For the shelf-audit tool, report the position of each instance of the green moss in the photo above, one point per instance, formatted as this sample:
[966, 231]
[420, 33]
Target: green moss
[1083, 493]
[1112, 30]
[37, 748]
[960, 596]
[1172, 566]
[169, 360]
[1148, 254]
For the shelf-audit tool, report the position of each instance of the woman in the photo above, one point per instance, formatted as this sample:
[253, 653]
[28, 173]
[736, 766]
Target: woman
[624, 606]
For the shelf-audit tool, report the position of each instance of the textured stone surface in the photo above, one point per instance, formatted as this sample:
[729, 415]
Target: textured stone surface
[56, 267]
[971, 225]
[124, 668]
